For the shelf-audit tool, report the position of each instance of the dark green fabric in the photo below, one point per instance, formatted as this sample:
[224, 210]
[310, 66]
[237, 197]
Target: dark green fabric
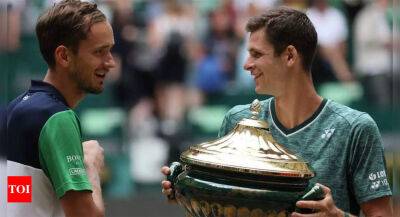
[61, 153]
[343, 146]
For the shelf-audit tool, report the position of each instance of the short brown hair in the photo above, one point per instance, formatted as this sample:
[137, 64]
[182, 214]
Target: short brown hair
[66, 23]
[286, 26]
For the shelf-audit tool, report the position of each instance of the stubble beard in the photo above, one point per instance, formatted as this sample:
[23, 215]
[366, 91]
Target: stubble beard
[84, 83]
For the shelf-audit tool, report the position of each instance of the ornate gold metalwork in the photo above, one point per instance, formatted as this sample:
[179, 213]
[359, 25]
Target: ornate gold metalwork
[248, 148]
[205, 208]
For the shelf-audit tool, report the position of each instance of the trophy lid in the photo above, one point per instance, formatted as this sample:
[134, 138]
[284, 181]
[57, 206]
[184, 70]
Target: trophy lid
[248, 149]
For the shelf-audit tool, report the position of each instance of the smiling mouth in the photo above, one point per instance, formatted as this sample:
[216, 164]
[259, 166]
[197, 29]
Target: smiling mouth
[256, 75]
[101, 75]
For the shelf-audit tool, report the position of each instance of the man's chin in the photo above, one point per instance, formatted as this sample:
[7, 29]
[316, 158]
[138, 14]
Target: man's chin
[261, 92]
[94, 90]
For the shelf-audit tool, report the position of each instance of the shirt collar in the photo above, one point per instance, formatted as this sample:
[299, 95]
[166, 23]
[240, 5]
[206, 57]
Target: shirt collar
[41, 86]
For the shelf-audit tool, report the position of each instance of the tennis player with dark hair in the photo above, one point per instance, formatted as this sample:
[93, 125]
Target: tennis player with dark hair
[44, 136]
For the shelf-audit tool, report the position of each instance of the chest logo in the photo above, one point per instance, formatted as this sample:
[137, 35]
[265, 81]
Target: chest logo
[328, 133]
[25, 98]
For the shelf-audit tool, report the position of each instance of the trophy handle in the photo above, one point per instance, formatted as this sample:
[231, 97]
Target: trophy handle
[176, 169]
[316, 193]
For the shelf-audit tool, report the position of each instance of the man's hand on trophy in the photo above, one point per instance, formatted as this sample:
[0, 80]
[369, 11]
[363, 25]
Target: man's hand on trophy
[167, 189]
[324, 207]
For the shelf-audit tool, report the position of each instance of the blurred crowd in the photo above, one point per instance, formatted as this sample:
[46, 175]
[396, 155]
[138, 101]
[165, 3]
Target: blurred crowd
[173, 55]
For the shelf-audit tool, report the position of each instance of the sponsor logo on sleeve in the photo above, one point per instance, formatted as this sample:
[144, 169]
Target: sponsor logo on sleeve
[76, 171]
[19, 189]
[76, 164]
[74, 158]
[377, 179]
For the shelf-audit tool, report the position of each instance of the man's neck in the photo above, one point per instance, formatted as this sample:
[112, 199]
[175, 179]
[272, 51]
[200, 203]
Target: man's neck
[68, 89]
[297, 104]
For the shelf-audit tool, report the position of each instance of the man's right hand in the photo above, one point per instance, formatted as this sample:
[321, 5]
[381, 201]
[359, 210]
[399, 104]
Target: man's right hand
[94, 163]
[167, 189]
[93, 155]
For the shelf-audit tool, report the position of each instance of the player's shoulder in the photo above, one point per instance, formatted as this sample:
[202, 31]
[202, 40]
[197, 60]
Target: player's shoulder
[349, 115]
[34, 108]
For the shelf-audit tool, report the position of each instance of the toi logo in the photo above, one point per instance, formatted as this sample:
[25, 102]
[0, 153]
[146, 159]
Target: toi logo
[19, 189]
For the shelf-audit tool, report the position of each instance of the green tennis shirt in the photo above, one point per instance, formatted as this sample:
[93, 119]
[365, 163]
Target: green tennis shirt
[342, 145]
[63, 164]
[44, 142]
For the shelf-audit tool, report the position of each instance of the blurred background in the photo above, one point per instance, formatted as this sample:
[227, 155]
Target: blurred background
[180, 70]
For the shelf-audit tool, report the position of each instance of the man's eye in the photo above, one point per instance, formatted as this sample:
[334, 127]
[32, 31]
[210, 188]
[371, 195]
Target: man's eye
[99, 51]
[255, 54]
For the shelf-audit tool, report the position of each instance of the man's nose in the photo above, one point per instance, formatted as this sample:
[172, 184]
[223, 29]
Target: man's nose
[110, 62]
[248, 65]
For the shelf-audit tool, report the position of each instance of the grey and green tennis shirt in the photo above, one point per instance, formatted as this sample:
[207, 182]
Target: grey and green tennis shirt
[343, 146]
[44, 141]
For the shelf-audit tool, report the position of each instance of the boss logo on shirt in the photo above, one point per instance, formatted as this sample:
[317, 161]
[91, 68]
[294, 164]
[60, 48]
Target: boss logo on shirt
[73, 158]
[19, 189]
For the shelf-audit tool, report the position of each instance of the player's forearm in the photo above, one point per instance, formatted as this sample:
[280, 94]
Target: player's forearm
[94, 179]
[382, 206]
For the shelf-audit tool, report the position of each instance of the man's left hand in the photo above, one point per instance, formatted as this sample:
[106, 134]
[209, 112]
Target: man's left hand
[325, 207]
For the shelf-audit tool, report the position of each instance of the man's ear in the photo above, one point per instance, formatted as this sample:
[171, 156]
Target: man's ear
[291, 56]
[62, 56]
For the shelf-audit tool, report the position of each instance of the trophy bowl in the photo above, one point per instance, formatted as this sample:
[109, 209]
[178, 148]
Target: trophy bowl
[245, 173]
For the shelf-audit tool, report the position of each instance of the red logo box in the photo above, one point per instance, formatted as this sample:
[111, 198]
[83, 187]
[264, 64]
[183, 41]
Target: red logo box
[19, 189]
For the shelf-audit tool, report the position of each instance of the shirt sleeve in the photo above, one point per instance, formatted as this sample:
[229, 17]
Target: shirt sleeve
[229, 122]
[232, 117]
[367, 161]
[61, 153]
